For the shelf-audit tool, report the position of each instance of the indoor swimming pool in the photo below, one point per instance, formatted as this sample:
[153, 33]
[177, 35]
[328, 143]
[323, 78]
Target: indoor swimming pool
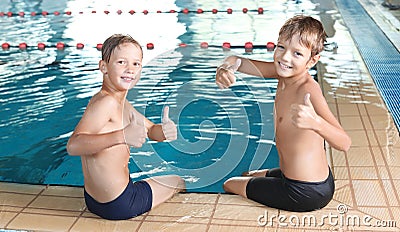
[44, 92]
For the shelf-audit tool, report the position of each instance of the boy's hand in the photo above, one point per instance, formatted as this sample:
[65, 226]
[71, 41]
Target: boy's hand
[136, 132]
[304, 116]
[225, 74]
[168, 126]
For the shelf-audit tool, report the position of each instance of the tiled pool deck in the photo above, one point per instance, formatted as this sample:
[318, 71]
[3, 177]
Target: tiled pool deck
[367, 177]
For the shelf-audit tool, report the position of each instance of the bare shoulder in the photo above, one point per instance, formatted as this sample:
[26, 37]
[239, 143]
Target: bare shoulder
[313, 88]
[103, 101]
[99, 111]
[317, 98]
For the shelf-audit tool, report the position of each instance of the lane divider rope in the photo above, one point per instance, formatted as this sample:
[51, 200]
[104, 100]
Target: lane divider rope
[270, 46]
[260, 10]
[248, 46]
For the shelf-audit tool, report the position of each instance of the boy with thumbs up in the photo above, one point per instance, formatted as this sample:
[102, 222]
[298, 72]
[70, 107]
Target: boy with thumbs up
[304, 181]
[108, 128]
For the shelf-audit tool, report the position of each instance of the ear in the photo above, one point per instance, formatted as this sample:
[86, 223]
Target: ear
[313, 60]
[102, 67]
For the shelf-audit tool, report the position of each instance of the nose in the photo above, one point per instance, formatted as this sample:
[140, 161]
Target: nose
[285, 55]
[132, 69]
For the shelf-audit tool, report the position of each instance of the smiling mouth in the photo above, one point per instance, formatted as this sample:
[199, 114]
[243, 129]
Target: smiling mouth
[129, 79]
[284, 66]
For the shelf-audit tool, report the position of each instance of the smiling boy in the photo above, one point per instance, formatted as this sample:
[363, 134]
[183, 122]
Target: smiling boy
[108, 128]
[304, 181]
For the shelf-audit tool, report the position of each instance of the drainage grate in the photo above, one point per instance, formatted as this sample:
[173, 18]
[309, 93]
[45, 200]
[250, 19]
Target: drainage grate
[380, 56]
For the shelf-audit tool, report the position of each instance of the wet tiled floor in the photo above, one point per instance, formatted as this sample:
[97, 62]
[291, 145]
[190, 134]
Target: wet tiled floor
[367, 178]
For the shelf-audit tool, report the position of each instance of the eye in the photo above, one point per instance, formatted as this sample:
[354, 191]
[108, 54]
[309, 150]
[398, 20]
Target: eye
[137, 64]
[280, 47]
[298, 54]
[121, 62]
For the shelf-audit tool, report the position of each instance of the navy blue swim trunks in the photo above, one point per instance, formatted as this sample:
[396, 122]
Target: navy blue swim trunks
[277, 191]
[135, 200]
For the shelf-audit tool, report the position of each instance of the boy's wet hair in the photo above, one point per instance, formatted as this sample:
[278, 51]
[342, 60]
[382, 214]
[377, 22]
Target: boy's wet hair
[311, 32]
[114, 41]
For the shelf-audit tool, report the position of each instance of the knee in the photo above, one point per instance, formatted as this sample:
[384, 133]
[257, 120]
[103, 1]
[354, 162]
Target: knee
[180, 182]
[228, 186]
[236, 185]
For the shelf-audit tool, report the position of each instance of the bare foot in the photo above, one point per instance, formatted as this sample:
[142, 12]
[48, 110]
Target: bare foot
[257, 173]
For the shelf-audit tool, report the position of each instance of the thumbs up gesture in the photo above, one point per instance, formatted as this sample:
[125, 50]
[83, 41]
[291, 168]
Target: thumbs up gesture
[135, 133]
[304, 115]
[225, 74]
[168, 126]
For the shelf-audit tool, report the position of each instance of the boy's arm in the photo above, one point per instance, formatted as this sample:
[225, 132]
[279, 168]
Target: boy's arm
[225, 73]
[316, 115]
[86, 139]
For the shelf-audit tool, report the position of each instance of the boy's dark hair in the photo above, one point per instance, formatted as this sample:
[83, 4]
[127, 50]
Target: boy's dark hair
[311, 32]
[114, 41]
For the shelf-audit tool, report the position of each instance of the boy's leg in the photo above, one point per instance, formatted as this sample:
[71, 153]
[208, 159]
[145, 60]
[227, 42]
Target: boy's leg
[164, 187]
[237, 185]
[273, 172]
[260, 173]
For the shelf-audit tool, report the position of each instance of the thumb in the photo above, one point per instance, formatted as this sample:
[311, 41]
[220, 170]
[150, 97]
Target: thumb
[236, 65]
[307, 100]
[133, 118]
[165, 114]
[137, 121]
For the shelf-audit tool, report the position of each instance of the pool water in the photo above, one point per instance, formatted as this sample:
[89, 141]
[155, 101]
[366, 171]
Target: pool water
[222, 133]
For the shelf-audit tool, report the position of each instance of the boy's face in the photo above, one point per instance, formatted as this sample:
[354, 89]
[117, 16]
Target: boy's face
[292, 58]
[124, 68]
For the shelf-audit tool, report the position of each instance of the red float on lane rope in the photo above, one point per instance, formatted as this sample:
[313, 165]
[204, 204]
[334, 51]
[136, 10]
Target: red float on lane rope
[270, 46]
[22, 46]
[5, 46]
[226, 46]
[79, 45]
[41, 46]
[60, 45]
[204, 45]
[248, 45]
[150, 46]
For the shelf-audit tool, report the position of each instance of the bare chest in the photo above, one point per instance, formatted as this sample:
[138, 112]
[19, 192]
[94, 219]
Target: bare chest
[283, 104]
[119, 119]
